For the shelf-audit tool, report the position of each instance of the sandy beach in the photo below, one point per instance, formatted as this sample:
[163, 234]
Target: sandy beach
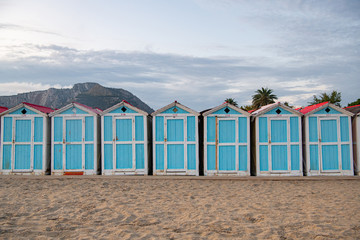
[98, 207]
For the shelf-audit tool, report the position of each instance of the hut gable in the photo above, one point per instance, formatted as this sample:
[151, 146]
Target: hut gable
[75, 109]
[324, 108]
[23, 110]
[124, 108]
[175, 108]
[278, 110]
[225, 109]
[328, 110]
[28, 109]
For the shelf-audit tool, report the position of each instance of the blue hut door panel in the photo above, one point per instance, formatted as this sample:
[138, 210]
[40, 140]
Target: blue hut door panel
[22, 142]
[279, 144]
[175, 144]
[124, 143]
[74, 144]
[227, 144]
[329, 138]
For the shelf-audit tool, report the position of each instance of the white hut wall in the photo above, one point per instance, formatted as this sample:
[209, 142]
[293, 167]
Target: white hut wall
[180, 158]
[278, 143]
[25, 142]
[329, 143]
[75, 142]
[125, 143]
[227, 144]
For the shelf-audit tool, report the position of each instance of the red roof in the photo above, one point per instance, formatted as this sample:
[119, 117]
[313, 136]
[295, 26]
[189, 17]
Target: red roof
[3, 109]
[250, 111]
[308, 109]
[39, 108]
[352, 106]
[90, 108]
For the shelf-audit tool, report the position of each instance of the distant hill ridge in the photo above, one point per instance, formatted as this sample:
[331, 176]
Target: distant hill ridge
[90, 94]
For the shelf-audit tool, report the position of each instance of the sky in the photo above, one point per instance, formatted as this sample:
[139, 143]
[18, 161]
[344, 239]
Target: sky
[198, 52]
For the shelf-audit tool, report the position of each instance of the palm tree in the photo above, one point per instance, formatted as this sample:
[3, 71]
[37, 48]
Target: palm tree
[334, 97]
[263, 96]
[231, 101]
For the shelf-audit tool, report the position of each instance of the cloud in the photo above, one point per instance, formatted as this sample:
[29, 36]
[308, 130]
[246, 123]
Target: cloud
[11, 88]
[159, 79]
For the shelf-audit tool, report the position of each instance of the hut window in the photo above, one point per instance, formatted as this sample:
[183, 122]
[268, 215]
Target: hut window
[227, 110]
[175, 110]
[24, 111]
[278, 111]
[123, 109]
[327, 110]
[74, 110]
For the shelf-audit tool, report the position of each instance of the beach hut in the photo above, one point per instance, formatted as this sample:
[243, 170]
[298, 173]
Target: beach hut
[327, 140]
[25, 135]
[75, 140]
[355, 136]
[277, 141]
[226, 141]
[175, 140]
[125, 140]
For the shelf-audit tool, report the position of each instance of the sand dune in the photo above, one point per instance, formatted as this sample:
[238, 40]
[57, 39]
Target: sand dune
[179, 208]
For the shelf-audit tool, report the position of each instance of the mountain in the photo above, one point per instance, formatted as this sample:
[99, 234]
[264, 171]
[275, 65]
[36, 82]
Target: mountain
[91, 94]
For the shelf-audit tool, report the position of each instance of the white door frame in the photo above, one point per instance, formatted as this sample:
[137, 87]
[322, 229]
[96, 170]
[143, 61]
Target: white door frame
[132, 142]
[82, 143]
[287, 143]
[166, 143]
[321, 143]
[235, 143]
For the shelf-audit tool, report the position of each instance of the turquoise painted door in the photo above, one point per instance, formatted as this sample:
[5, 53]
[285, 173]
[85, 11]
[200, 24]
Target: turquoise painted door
[278, 143]
[22, 144]
[74, 141]
[227, 144]
[175, 138]
[329, 145]
[124, 133]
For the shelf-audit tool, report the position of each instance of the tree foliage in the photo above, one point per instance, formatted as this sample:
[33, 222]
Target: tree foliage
[334, 97]
[357, 102]
[247, 107]
[231, 101]
[262, 97]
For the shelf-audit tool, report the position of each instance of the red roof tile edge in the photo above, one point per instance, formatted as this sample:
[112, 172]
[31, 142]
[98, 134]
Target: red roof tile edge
[310, 108]
[39, 107]
[90, 108]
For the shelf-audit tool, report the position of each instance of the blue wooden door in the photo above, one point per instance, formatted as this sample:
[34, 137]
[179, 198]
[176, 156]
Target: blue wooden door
[23, 144]
[278, 143]
[329, 144]
[74, 142]
[124, 133]
[175, 138]
[227, 144]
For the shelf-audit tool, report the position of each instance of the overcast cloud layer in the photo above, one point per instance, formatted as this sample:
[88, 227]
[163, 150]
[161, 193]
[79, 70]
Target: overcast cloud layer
[218, 49]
